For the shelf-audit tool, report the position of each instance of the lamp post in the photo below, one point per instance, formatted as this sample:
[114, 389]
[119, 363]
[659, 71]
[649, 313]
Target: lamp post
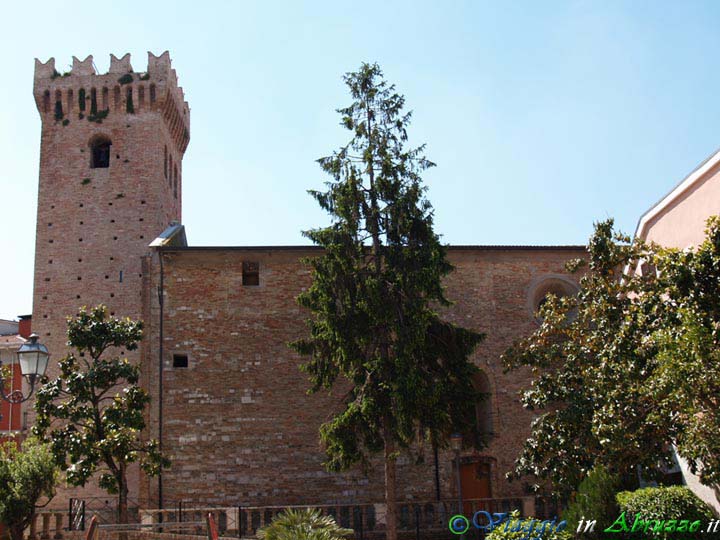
[33, 358]
[456, 444]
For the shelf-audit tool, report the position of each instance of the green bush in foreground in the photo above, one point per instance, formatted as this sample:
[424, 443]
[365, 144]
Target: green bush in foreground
[666, 504]
[305, 524]
[517, 529]
[594, 500]
[27, 475]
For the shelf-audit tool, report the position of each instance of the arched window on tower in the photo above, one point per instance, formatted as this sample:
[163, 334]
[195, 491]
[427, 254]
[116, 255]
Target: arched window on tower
[100, 152]
[483, 408]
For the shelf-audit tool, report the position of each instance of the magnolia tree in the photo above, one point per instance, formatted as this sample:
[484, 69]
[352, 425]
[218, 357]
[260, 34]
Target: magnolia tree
[375, 292]
[93, 413]
[628, 367]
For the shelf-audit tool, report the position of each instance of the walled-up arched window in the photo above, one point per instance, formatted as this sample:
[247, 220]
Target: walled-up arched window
[556, 285]
[100, 152]
[483, 408]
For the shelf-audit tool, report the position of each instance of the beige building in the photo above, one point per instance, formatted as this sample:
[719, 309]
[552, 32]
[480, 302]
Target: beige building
[678, 220]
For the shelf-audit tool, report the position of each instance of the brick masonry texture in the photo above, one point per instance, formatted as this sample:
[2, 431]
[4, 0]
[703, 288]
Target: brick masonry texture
[94, 224]
[237, 422]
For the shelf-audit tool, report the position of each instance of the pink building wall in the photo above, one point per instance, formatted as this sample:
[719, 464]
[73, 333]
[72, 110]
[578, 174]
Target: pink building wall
[678, 220]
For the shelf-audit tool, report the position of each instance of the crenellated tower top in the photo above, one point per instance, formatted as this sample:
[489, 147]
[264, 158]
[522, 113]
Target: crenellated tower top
[93, 96]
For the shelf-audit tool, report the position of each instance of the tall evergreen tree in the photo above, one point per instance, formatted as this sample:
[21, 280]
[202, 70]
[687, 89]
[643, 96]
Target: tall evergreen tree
[375, 292]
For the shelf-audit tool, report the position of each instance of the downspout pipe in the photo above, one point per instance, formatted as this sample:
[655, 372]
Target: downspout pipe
[161, 301]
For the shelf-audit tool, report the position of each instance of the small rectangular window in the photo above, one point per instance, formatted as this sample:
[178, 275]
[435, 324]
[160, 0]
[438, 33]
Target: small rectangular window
[180, 360]
[250, 273]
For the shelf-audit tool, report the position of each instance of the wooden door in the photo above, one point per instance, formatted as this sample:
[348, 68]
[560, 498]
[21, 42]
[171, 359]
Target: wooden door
[475, 479]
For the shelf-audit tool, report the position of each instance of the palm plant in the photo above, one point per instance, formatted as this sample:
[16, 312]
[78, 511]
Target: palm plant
[303, 524]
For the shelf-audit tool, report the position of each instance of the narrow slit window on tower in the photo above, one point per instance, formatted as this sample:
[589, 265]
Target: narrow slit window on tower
[152, 93]
[46, 101]
[58, 105]
[166, 162]
[180, 360]
[100, 152]
[250, 274]
[93, 101]
[129, 105]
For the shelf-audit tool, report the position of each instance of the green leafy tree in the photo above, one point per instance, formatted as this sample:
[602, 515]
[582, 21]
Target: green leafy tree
[304, 524]
[591, 357]
[630, 367]
[686, 386]
[27, 475]
[93, 413]
[374, 296]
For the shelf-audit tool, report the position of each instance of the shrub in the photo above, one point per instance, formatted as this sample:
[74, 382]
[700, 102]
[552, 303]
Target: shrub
[505, 531]
[594, 500]
[305, 524]
[26, 476]
[665, 504]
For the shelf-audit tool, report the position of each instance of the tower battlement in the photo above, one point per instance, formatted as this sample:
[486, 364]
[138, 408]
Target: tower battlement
[82, 94]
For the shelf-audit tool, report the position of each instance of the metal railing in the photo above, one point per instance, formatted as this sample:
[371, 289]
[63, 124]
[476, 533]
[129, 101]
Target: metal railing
[416, 519]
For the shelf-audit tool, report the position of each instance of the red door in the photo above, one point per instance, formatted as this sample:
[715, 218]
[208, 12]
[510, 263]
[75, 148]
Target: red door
[475, 478]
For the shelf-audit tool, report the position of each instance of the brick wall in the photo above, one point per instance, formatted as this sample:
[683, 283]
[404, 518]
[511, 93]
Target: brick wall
[237, 422]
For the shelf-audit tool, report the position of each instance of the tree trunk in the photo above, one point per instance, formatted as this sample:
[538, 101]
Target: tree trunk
[122, 509]
[16, 531]
[390, 484]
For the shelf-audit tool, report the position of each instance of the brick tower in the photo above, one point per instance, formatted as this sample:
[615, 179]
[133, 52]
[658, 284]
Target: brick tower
[110, 182]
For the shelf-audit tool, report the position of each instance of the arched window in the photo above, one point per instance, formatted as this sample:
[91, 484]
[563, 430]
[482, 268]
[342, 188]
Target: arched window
[556, 285]
[100, 152]
[483, 408]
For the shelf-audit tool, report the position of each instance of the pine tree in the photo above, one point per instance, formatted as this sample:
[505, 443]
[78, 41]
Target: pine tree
[375, 293]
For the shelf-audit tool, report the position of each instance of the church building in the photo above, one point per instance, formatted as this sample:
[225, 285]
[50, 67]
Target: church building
[229, 403]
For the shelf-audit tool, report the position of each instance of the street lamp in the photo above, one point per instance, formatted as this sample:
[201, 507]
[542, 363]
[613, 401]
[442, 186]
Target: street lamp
[456, 440]
[33, 358]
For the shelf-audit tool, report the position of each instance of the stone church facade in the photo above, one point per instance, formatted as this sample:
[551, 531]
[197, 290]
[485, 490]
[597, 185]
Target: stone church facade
[229, 403]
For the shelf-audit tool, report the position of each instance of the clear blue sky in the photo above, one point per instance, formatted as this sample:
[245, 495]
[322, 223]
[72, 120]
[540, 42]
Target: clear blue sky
[542, 116]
